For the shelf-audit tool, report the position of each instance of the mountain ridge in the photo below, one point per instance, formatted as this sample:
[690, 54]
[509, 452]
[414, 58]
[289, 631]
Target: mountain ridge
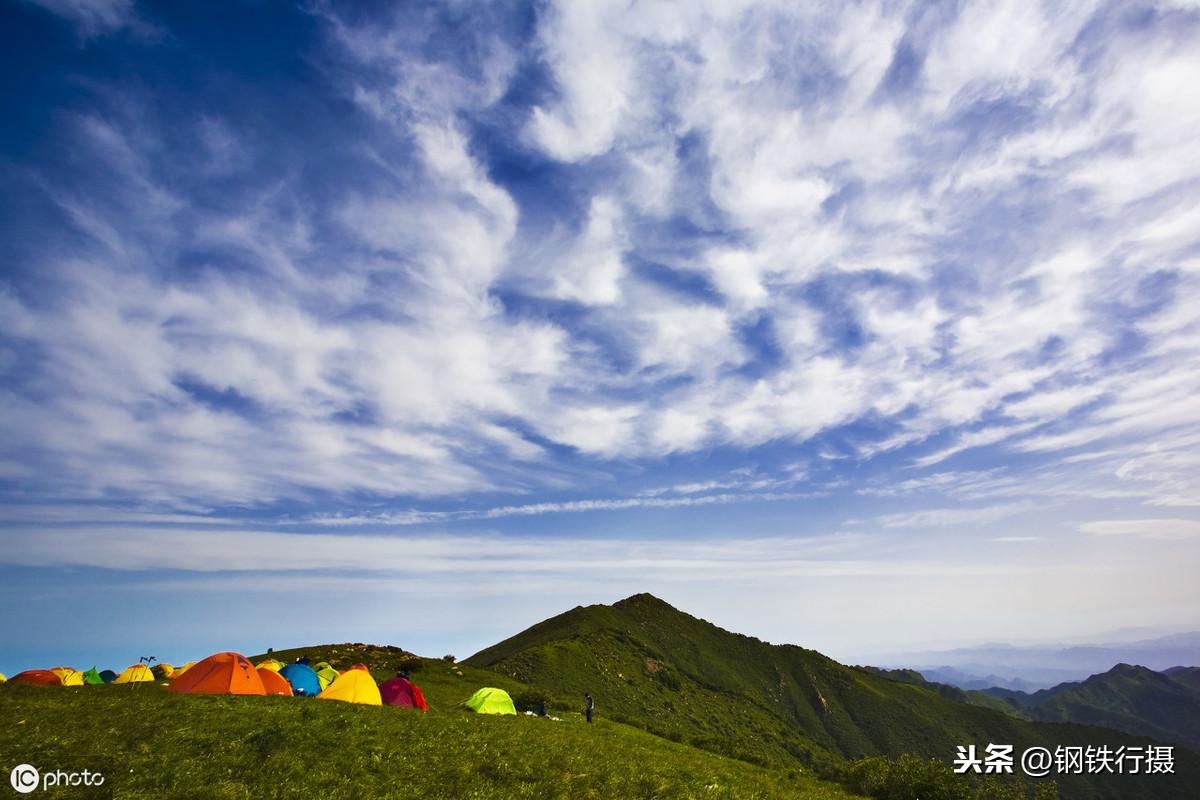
[682, 677]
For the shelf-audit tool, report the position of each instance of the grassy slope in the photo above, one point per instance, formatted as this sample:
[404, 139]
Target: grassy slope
[995, 702]
[161, 745]
[682, 677]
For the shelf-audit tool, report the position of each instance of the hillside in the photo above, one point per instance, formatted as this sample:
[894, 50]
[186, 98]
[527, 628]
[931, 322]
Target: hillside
[153, 744]
[996, 702]
[1165, 706]
[686, 679]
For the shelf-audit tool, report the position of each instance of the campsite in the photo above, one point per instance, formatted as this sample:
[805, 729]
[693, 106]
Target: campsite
[175, 744]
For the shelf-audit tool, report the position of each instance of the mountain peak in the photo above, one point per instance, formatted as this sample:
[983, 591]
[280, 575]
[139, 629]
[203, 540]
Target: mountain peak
[1129, 669]
[643, 599]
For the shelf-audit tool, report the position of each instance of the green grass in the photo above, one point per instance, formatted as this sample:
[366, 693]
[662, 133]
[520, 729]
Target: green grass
[163, 745]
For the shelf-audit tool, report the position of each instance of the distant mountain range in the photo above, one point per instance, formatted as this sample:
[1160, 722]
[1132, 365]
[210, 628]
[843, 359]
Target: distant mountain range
[1029, 669]
[653, 666]
[1164, 705]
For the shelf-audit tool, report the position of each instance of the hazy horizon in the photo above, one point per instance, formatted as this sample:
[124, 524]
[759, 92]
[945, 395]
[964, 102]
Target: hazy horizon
[867, 329]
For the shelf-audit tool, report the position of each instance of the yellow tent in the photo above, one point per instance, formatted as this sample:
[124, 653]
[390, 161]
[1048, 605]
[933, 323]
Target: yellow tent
[180, 670]
[138, 673]
[2, 678]
[270, 664]
[68, 676]
[163, 671]
[355, 685]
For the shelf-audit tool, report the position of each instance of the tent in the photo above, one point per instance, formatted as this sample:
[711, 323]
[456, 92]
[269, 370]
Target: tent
[68, 676]
[270, 664]
[36, 677]
[355, 685]
[163, 671]
[491, 701]
[302, 679]
[2, 678]
[273, 682]
[92, 678]
[108, 676]
[402, 692]
[220, 673]
[326, 674]
[136, 673]
[184, 668]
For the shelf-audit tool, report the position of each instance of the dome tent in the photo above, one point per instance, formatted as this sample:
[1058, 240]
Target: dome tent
[163, 671]
[220, 673]
[489, 700]
[93, 678]
[135, 673]
[273, 682]
[107, 675]
[355, 685]
[325, 673]
[302, 679]
[269, 663]
[36, 677]
[2, 678]
[401, 692]
[68, 676]
[184, 668]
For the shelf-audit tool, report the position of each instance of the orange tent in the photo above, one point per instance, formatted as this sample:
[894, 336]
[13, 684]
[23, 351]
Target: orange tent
[36, 677]
[273, 682]
[220, 673]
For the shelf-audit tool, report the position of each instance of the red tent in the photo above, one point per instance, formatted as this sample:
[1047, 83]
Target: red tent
[36, 677]
[402, 692]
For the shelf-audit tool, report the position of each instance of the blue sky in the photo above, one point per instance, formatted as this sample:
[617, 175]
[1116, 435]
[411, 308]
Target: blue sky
[866, 328]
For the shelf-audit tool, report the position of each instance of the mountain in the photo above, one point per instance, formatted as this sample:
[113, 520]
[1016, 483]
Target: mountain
[1031, 668]
[1137, 700]
[1187, 676]
[966, 680]
[686, 679]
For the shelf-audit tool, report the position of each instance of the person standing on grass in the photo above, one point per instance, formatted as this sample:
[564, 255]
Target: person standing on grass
[590, 705]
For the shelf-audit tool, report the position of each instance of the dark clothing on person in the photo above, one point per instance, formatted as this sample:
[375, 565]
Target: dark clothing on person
[591, 706]
[541, 708]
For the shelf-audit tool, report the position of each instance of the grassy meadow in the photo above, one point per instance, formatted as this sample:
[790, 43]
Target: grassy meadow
[162, 745]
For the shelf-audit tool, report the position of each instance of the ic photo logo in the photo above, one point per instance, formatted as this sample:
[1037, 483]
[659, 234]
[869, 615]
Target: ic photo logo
[24, 778]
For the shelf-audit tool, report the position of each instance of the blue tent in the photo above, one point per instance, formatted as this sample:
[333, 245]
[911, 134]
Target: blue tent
[302, 678]
[108, 676]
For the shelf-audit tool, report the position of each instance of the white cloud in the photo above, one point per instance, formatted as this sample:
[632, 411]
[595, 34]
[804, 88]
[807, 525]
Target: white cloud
[946, 517]
[1144, 528]
[94, 17]
[900, 257]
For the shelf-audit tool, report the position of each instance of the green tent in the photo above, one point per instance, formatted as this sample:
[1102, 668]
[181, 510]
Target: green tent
[325, 674]
[92, 678]
[491, 701]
